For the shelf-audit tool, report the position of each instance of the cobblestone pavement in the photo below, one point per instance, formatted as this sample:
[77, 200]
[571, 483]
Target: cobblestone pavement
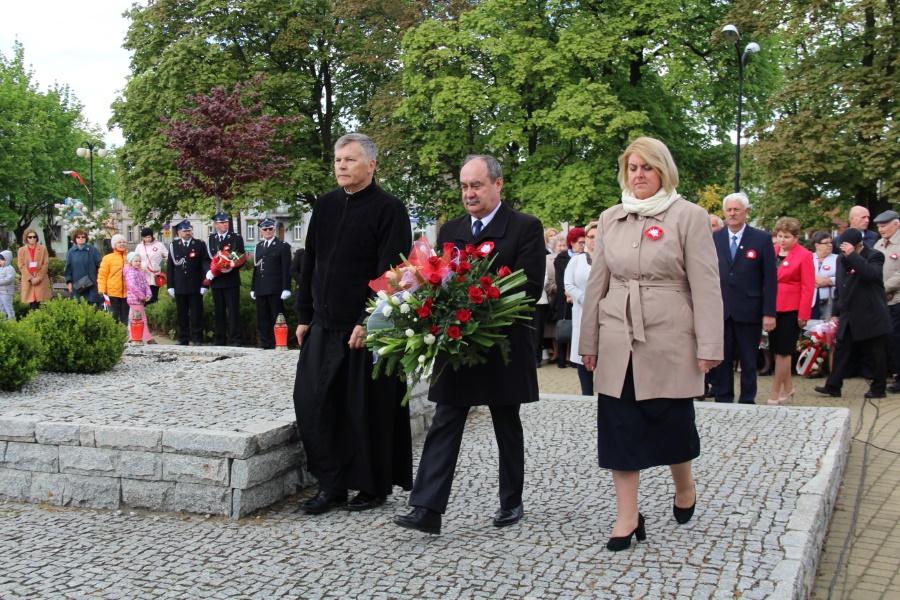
[750, 477]
[868, 538]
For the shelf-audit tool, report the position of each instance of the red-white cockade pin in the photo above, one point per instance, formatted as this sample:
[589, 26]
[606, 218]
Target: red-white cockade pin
[654, 233]
[785, 263]
[751, 254]
[826, 267]
[894, 256]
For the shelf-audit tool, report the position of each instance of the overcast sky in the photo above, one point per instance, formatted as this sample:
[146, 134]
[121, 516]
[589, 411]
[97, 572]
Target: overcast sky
[74, 43]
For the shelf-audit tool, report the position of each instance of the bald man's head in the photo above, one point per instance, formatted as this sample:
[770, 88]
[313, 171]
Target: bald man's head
[859, 218]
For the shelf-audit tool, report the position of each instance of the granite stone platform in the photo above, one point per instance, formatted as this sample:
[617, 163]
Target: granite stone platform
[195, 429]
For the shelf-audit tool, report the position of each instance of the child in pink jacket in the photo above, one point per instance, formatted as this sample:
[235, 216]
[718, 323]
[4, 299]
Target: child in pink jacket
[137, 292]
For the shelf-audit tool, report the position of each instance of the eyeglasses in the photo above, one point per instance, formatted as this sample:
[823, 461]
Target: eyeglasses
[579, 242]
[31, 237]
[80, 237]
[267, 229]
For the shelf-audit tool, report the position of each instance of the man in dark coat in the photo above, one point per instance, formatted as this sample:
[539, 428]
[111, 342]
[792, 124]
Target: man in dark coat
[186, 270]
[271, 282]
[226, 288]
[749, 281]
[861, 312]
[354, 430]
[503, 387]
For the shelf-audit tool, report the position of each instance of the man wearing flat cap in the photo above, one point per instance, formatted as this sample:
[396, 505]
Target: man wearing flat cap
[889, 228]
[861, 313]
[187, 267]
[226, 287]
[271, 283]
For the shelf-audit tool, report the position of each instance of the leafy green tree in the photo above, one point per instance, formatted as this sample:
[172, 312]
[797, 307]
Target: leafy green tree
[833, 139]
[557, 90]
[324, 61]
[39, 133]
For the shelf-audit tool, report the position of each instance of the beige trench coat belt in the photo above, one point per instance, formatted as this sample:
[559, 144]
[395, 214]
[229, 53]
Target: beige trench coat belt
[633, 301]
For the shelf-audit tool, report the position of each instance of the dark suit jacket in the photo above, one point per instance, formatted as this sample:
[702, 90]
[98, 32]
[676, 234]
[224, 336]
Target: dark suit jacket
[272, 268]
[518, 244]
[750, 282]
[235, 243]
[860, 303]
[187, 266]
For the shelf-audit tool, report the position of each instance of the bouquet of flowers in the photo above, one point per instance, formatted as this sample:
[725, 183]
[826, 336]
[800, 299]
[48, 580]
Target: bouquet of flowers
[224, 261]
[815, 347]
[447, 303]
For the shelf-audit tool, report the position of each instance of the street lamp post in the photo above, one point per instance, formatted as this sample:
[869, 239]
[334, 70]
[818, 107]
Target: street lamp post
[87, 150]
[731, 34]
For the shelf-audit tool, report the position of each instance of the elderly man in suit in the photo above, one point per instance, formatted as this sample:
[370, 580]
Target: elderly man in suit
[271, 282]
[503, 387]
[861, 313]
[186, 269]
[749, 281]
[889, 228]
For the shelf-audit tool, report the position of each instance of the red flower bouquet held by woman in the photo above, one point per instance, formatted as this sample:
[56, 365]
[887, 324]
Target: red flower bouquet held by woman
[449, 302]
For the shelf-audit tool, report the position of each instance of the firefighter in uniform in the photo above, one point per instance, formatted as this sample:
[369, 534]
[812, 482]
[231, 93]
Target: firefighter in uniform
[271, 283]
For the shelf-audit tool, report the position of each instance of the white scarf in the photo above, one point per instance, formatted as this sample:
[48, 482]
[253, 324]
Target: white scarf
[649, 207]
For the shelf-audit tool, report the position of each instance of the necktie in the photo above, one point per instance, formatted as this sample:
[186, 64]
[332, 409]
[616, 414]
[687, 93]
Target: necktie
[733, 246]
[477, 227]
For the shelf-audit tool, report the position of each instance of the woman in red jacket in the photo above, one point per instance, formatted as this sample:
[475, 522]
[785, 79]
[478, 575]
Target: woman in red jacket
[796, 287]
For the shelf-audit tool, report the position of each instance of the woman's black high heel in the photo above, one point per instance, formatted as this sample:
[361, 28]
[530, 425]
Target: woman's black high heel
[622, 543]
[683, 515]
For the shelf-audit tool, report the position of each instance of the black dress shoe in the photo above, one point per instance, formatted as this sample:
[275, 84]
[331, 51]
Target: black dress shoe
[182, 343]
[365, 501]
[894, 388]
[824, 389]
[871, 394]
[323, 502]
[508, 516]
[420, 519]
[616, 544]
[710, 393]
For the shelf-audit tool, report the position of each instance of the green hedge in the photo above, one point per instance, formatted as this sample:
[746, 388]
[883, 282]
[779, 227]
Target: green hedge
[163, 318]
[20, 355]
[56, 267]
[76, 337]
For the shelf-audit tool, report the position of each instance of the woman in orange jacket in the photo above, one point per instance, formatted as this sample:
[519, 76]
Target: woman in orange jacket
[111, 279]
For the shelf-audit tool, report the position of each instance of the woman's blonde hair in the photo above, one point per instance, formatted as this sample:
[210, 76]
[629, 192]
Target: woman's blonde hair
[654, 153]
[589, 226]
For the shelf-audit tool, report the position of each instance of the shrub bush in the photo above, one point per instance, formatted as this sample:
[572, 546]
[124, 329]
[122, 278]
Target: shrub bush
[76, 337]
[163, 317]
[56, 267]
[20, 355]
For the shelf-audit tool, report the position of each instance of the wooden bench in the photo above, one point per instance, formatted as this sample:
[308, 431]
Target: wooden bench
[59, 289]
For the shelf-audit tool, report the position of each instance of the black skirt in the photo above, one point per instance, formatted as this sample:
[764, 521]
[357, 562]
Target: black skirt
[783, 339]
[634, 435]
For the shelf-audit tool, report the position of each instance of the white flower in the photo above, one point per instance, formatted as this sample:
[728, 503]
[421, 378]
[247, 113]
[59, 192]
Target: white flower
[395, 300]
[387, 310]
[404, 308]
[407, 296]
[410, 333]
[421, 359]
[428, 339]
[384, 350]
[383, 295]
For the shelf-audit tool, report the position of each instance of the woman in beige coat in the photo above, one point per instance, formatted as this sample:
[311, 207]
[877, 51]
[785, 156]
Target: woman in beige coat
[32, 259]
[653, 313]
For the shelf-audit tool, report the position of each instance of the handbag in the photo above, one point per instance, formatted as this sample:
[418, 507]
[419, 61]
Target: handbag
[160, 279]
[564, 331]
[83, 284]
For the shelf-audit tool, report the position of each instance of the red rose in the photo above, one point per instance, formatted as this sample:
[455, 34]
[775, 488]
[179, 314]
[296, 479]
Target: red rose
[493, 293]
[429, 302]
[464, 267]
[434, 330]
[463, 316]
[486, 282]
[504, 271]
[434, 261]
[453, 267]
[450, 250]
[471, 249]
[424, 312]
[476, 295]
[434, 279]
[454, 332]
[463, 255]
[460, 279]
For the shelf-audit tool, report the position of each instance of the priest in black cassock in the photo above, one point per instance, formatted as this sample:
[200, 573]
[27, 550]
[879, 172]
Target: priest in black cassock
[355, 433]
